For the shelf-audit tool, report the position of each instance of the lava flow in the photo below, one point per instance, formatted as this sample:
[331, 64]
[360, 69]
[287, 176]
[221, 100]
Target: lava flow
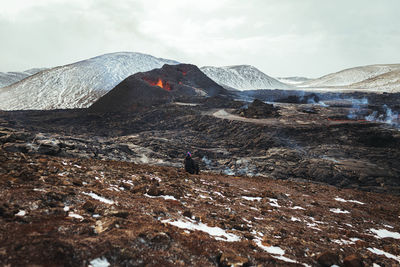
[160, 83]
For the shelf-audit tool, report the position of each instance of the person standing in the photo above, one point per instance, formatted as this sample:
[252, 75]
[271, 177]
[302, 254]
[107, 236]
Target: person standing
[190, 165]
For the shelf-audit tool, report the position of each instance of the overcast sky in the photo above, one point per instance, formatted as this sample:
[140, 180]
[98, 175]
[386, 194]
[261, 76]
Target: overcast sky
[280, 37]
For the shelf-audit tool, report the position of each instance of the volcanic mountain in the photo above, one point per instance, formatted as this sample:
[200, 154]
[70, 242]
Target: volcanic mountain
[159, 86]
[76, 85]
[243, 77]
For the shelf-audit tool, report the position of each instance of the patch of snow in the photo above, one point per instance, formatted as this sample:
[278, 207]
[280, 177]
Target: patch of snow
[99, 198]
[39, 190]
[99, 262]
[128, 182]
[274, 202]
[339, 211]
[294, 219]
[388, 226]
[21, 213]
[252, 198]
[166, 197]
[275, 251]
[216, 232]
[386, 254]
[383, 233]
[77, 166]
[352, 201]
[219, 194]
[375, 265]
[297, 208]
[313, 226]
[66, 208]
[342, 242]
[74, 215]
[96, 215]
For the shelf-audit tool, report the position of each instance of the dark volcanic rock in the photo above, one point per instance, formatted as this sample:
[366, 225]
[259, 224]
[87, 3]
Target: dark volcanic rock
[259, 109]
[158, 86]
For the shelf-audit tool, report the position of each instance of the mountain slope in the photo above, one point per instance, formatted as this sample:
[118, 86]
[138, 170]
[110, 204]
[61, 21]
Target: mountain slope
[7, 78]
[242, 77]
[350, 76]
[387, 82]
[293, 80]
[77, 85]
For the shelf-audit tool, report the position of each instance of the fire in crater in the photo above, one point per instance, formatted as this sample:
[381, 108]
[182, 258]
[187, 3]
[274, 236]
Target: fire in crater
[160, 83]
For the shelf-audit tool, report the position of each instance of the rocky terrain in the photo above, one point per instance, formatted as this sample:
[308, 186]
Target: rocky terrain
[311, 180]
[64, 211]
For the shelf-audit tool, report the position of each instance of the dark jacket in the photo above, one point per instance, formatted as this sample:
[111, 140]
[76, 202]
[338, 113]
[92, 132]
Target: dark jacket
[191, 166]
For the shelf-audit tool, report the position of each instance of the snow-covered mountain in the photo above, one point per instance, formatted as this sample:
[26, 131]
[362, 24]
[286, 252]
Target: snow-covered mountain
[7, 78]
[76, 85]
[243, 77]
[293, 80]
[350, 76]
[387, 82]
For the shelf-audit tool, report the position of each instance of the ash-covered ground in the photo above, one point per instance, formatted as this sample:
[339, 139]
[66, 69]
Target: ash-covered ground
[72, 191]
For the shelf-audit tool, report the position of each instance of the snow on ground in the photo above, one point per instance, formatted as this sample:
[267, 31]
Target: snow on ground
[252, 198]
[276, 252]
[99, 262]
[383, 233]
[99, 198]
[74, 215]
[352, 201]
[339, 211]
[166, 197]
[274, 203]
[386, 254]
[216, 232]
[21, 213]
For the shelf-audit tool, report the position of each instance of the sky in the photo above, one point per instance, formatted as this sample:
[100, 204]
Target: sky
[307, 38]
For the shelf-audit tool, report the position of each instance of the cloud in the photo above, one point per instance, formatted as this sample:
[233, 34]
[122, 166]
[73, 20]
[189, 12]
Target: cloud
[287, 37]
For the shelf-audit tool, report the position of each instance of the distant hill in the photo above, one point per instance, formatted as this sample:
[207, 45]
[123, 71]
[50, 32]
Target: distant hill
[7, 78]
[243, 77]
[350, 76]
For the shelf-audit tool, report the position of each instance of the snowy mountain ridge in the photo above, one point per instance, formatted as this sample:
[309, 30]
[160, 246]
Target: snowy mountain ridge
[76, 85]
[8, 78]
[293, 80]
[351, 76]
[243, 77]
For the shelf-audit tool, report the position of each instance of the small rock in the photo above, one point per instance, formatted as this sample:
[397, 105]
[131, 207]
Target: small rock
[89, 206]
[328, 258]
[230, 259]
[353, 261]
[120, 213]
[154, 191]
[187, 213]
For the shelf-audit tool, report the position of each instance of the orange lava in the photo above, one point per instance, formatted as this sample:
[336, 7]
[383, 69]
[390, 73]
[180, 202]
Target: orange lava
[344, 121]
[160, 83]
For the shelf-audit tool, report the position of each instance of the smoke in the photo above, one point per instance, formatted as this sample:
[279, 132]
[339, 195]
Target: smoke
[206, 161]
[357, 104]
[387, 116]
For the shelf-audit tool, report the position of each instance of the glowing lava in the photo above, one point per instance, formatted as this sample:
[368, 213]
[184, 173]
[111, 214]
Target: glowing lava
[160, 83]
